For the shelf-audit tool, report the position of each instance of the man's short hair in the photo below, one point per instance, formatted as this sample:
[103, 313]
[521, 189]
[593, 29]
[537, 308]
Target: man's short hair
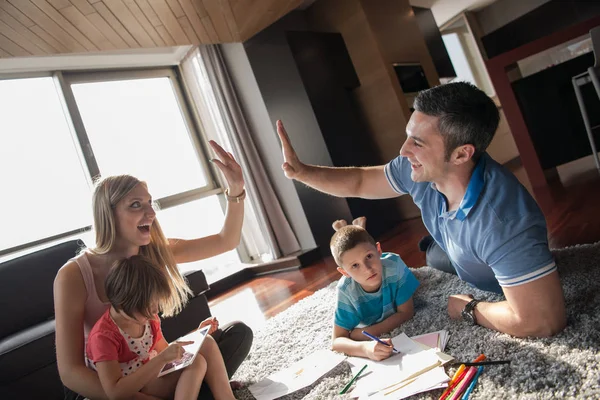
[347, 238]
[466, 115]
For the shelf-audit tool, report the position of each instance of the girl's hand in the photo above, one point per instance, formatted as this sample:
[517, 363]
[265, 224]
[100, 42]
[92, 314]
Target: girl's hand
[174, 351]
[213, 322]
[230, 169]
[377, 351]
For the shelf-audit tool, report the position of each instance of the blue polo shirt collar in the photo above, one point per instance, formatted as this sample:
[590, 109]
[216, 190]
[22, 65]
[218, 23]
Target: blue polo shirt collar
[471, 195]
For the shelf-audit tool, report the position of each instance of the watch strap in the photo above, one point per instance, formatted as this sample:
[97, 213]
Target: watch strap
[470, 309]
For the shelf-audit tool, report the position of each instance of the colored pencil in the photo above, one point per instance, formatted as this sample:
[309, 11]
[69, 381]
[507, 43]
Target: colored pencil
[345, 389]
[463, 384]
[472, 385]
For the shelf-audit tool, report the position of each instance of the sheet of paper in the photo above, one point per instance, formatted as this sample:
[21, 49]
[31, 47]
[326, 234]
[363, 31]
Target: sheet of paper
[437, 339]
[434, 379]
[429, 339]
[297, 376]
[414, 359]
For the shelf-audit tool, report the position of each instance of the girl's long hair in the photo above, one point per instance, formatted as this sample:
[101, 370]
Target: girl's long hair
[107, 193]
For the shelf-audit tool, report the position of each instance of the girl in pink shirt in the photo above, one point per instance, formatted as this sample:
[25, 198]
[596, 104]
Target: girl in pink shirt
[126, 346]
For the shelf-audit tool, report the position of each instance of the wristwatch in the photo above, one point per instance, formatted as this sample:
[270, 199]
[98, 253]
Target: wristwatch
[468, 313]
[235, 199]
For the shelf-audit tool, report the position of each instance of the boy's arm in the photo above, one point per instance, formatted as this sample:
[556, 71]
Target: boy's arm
[344, 344]
[403, 313]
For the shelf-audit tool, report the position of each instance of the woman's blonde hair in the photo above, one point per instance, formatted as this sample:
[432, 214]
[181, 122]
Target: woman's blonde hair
[107, 193]
[136, 285]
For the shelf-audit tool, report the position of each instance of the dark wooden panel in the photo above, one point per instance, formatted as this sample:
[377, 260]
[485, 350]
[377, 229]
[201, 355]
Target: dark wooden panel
[549, 106]
[544, 20]
[435, 44]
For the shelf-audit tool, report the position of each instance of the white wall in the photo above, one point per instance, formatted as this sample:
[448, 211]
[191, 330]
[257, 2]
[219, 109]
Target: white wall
[265, 138]
[445, 10]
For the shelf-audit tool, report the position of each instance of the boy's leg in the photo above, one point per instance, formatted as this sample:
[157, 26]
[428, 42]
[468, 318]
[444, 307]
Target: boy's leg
[216, 374]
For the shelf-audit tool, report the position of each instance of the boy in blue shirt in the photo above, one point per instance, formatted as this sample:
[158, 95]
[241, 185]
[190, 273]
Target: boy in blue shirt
[374, 294]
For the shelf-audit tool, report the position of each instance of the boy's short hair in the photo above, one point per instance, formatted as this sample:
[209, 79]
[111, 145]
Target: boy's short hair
[347, 238]
[134, 283]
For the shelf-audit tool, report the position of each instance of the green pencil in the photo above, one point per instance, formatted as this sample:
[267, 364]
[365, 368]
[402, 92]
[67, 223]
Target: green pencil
[345, 389]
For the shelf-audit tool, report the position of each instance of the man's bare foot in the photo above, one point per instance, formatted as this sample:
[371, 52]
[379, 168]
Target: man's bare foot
[360, 221]
[339, 224]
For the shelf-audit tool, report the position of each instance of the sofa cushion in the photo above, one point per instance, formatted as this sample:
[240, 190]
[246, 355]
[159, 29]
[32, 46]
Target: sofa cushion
[27, 351]
[197, 282]
[26, 286]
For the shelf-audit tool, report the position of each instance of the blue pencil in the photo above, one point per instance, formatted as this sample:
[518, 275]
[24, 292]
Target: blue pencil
[472, 384]
[367, 334]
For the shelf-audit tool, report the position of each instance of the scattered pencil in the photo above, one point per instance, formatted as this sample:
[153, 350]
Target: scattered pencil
[477, 364]
[345, 389]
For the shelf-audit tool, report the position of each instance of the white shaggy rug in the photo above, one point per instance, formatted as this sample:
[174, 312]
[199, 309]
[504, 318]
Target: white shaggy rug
[566, 366]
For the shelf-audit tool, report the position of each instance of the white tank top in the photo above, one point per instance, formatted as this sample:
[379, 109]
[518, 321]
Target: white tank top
[94, 307]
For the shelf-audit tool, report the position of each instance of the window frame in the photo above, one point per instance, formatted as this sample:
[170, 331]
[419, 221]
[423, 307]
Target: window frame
[63, 81]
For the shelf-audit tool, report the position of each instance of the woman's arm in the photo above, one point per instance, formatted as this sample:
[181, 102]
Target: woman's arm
[69, 305]
[230, 235]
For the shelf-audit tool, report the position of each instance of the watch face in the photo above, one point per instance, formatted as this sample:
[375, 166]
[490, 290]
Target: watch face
[468, 316]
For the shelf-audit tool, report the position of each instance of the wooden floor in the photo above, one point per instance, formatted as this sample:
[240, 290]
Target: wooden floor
[573, 217]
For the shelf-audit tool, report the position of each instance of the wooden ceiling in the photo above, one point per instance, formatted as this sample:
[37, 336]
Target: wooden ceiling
[38, 27]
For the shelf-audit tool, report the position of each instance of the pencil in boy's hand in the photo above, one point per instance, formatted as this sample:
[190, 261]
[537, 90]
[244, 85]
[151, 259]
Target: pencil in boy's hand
[345, 389]
[375, 338]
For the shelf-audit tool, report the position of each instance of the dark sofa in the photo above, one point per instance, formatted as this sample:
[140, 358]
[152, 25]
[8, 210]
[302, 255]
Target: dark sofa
[27, 349]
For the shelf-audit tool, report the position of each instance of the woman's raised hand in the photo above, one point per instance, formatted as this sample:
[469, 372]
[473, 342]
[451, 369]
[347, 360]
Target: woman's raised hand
[230, 169]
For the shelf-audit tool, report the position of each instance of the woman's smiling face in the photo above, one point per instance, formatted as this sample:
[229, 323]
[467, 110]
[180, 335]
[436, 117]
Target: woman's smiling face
[134, 216]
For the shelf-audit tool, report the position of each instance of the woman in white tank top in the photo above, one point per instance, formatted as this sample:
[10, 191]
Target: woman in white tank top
[125, 224]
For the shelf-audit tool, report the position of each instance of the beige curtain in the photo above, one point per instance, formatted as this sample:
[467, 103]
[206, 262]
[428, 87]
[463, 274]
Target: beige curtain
[206, 77]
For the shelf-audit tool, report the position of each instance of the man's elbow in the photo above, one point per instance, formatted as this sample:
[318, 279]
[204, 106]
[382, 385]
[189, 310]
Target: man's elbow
[543, 327]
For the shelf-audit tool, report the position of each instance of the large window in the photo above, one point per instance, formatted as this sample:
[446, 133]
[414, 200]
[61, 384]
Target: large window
[61, 131]
[45, 188]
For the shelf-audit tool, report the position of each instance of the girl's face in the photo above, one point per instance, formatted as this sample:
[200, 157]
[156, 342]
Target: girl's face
[134, 216]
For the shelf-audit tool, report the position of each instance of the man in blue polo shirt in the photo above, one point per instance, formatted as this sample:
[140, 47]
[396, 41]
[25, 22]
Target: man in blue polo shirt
[483, 222]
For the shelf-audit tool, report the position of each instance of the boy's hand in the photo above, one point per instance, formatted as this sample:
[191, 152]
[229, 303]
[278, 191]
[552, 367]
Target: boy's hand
[377, 351]
[212, 321]
[174, 351]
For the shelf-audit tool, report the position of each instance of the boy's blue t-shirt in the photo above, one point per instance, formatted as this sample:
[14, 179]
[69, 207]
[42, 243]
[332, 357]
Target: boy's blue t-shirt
[357, 308]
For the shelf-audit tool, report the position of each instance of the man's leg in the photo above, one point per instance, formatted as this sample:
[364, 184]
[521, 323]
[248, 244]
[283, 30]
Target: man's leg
[435, 256]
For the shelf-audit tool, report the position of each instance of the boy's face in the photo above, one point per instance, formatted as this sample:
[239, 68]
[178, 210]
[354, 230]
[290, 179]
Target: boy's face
[363, 264]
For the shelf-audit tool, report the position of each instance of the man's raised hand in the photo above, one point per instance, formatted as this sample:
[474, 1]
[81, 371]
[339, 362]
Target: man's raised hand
[292, 167]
